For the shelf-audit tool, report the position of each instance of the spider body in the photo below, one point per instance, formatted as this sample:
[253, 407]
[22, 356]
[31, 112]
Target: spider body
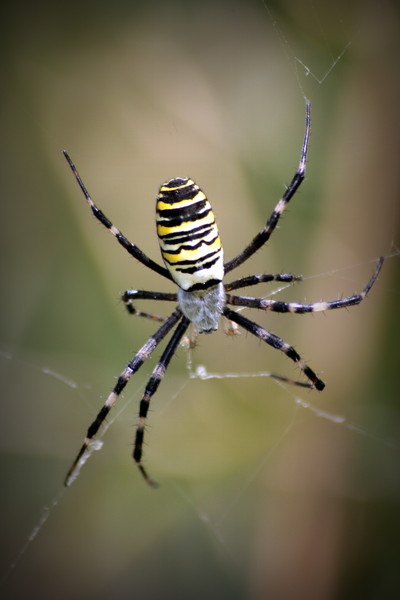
[188, 235]
[192, 251]
[193, 257]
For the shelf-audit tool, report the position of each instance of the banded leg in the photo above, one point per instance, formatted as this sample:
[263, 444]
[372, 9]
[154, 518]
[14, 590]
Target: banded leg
[295, 307]
[263, 236]
[150, 390]
[277, 343]
[125, 243]
[256, 279]
[303, 384]
[130, 296]
[133, 366]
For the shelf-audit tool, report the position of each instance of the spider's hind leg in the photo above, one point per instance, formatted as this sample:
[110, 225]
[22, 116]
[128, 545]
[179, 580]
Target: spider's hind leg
[303, 384]
[151, 387]
[133, 366]
[276, 342]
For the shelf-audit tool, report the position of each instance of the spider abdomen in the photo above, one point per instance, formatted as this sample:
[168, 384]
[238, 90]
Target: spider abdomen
[188, 235]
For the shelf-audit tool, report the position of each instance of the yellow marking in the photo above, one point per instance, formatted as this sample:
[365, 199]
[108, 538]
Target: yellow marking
[188, 238]
[197, 253]
[185, 226]
[182, 203]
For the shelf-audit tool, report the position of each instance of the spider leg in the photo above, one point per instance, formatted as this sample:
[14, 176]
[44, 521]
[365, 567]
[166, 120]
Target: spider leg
[130, 296]
[263, 236]
[123, 379]
[256, 279]
[303, 384]
[277, 343]
[295, 307]
[150, 390]
[125, 243]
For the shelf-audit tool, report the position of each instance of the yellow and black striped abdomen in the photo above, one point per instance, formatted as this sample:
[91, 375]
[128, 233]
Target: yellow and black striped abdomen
[189, 240]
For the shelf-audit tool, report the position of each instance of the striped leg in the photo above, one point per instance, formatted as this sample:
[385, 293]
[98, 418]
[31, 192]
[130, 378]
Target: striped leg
[129, 247]
[130, 296]
[263, 236]
[150, 390]
[277, 343]
[303, 384]
[256, 279]
[123, 379]
[294, 307]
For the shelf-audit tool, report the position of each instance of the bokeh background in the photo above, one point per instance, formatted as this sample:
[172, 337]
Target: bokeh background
[261, 496]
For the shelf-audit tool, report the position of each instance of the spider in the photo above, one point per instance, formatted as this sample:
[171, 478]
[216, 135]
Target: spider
[193, 257]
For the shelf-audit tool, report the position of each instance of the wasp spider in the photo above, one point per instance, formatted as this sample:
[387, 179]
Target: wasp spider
[193, 257]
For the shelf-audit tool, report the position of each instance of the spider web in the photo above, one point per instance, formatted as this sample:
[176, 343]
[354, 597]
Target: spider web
[213, 523]
[220, 492]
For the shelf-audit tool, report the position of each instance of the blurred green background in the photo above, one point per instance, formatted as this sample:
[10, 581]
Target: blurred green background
[260, 497]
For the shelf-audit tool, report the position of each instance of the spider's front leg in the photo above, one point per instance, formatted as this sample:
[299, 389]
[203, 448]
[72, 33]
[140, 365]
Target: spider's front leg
[263, 236]
[100, 216]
